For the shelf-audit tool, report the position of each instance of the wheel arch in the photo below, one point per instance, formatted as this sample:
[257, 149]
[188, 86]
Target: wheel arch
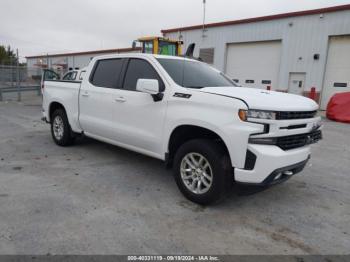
[186, 132]
[53, 107]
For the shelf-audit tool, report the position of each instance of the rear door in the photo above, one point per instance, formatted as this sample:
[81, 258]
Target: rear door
[139, 117]
[97, 99]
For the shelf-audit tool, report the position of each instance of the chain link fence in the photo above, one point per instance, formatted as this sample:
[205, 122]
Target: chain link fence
[18, 79]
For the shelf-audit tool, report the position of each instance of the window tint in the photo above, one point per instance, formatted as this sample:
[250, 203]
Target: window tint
[107, 73]
[194, 74]
[140, 69]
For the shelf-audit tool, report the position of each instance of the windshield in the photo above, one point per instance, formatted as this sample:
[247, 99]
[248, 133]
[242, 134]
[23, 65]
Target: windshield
[194, 74]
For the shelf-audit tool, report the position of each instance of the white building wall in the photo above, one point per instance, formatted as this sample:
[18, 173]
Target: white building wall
[72, 61]
[80, 61]
[302, 37]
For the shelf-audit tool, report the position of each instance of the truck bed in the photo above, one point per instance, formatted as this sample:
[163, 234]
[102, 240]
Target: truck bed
[67, 93]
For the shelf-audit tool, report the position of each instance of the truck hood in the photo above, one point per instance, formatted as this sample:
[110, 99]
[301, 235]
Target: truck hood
[265, 100]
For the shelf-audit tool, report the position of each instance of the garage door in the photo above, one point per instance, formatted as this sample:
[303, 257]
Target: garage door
[254, 64]
[337, 76]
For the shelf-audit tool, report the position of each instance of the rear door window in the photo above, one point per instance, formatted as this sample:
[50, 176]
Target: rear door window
[107, 73]
[140, 69]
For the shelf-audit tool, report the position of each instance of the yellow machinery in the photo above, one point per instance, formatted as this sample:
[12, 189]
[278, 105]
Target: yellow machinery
[160, 45]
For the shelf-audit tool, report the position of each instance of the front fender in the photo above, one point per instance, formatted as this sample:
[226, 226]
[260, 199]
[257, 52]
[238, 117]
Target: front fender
[218, 114]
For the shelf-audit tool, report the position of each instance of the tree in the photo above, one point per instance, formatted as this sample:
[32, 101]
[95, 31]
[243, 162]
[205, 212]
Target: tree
[7, 56]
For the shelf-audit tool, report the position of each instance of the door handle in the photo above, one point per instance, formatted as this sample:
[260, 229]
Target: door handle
[120, 99]
[85, 94]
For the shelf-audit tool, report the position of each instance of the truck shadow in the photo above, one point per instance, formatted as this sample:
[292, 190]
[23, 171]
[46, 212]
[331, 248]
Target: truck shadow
[156, 170]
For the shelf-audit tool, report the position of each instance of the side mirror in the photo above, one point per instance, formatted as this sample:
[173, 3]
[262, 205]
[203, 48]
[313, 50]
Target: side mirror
[149, 86]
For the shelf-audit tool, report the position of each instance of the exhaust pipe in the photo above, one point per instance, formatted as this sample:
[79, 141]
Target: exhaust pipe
[284, 173]
[288, 173]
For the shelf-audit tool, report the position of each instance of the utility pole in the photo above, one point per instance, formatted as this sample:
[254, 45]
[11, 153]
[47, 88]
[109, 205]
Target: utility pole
[18, 78]
[203, 29]
[12, 65]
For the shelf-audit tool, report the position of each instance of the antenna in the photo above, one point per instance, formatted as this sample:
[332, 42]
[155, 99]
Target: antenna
[204, 4]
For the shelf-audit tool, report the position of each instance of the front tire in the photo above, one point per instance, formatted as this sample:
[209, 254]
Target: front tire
[202, 171]
[60, 128]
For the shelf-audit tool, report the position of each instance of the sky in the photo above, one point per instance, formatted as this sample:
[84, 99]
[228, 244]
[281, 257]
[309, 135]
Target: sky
[41, 26]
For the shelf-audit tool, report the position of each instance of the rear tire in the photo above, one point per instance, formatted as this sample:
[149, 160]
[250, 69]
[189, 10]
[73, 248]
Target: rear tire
[60, 129]
[202, 171]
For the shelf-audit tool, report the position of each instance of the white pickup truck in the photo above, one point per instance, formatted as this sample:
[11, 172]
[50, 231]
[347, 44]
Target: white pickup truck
[212, 132]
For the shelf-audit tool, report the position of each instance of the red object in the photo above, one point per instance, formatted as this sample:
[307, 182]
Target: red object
[268, 88]
[313, 93]
[338, 108]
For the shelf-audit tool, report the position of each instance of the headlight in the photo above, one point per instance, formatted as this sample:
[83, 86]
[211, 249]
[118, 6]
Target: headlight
[260, 114]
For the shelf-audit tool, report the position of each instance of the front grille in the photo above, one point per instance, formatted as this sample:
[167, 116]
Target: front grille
[295, 115]
[295, 141]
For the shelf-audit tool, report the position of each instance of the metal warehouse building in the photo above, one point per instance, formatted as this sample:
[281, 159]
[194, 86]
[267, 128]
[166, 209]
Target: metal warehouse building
[290, 52]
[68, 61]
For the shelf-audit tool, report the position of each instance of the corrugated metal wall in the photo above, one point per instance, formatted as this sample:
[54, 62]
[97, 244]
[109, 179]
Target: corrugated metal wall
[302, 37]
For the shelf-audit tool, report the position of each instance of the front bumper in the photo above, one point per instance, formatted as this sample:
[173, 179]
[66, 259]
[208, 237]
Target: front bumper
[281, 174]
[272, 164]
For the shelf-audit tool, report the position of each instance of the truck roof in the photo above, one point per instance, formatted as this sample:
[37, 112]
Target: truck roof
[141, 55]
[173, 57]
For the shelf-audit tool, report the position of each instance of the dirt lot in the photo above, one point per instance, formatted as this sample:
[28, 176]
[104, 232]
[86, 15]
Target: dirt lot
[99, 199]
